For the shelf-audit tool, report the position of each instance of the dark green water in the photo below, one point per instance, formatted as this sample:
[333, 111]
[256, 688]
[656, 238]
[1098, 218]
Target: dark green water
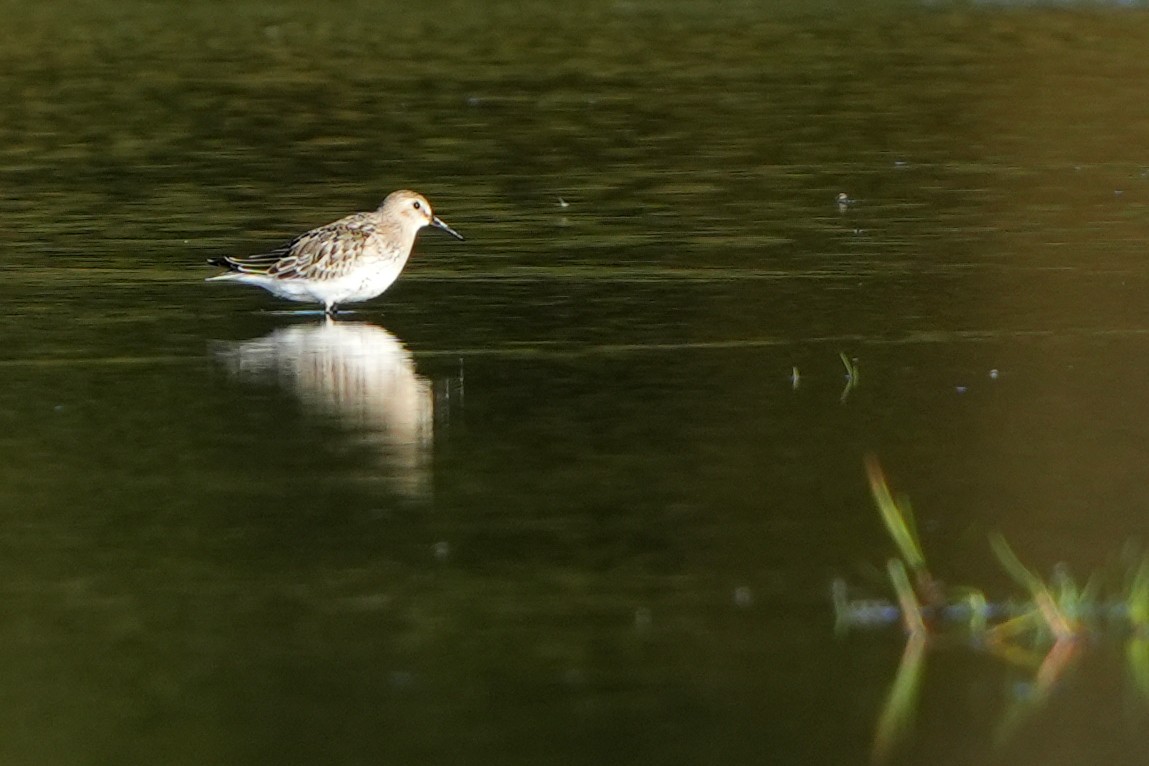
[554, 498]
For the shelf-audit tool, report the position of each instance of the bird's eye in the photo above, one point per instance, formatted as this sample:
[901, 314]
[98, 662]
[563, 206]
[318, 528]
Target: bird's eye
[417, 205]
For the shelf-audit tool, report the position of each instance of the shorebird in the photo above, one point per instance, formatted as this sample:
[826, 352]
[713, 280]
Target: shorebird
[351, 260]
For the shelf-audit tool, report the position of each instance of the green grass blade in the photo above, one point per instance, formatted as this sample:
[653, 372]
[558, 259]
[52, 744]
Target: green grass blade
[911, 610]
[851, 368]
[978, 606]
[1137, 601]
[897, 518]
[898, 712]
[1055, 618]
[1137, 655]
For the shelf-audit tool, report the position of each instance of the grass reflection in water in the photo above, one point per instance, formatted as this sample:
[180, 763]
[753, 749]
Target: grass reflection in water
[1044, 630]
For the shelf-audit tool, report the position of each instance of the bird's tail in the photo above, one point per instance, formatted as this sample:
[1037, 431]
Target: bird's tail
[233, 271]
[223, 263]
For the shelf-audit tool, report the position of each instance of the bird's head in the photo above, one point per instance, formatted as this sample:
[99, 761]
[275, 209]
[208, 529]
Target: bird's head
[413, 212]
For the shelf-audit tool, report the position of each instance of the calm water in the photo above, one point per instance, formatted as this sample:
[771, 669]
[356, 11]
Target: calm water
[554, 498]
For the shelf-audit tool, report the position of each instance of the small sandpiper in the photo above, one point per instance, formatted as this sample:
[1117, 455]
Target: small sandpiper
[351, 260]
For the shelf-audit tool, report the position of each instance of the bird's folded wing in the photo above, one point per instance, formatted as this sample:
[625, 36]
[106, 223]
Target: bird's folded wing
[328, 252]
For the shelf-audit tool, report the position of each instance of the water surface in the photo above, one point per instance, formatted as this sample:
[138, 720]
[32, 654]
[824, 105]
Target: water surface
[555, 498]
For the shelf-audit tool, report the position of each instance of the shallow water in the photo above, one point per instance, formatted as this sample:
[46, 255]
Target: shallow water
[555, 497]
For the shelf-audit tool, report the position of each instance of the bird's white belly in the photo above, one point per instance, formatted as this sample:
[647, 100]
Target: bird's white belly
[361, 284]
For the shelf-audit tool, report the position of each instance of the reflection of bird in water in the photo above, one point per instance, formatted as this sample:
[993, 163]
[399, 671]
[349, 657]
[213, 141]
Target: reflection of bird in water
[363, 376]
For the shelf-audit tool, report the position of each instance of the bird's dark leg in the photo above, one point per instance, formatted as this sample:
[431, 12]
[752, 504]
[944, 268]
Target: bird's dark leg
[331, 310]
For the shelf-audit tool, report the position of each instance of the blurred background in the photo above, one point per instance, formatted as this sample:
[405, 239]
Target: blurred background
[573, 491]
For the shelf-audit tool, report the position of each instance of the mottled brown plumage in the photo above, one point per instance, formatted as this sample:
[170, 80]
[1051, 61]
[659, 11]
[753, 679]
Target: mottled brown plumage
[350, 260]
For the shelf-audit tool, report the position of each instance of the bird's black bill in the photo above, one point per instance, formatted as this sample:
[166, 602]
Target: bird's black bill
[437, 222]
